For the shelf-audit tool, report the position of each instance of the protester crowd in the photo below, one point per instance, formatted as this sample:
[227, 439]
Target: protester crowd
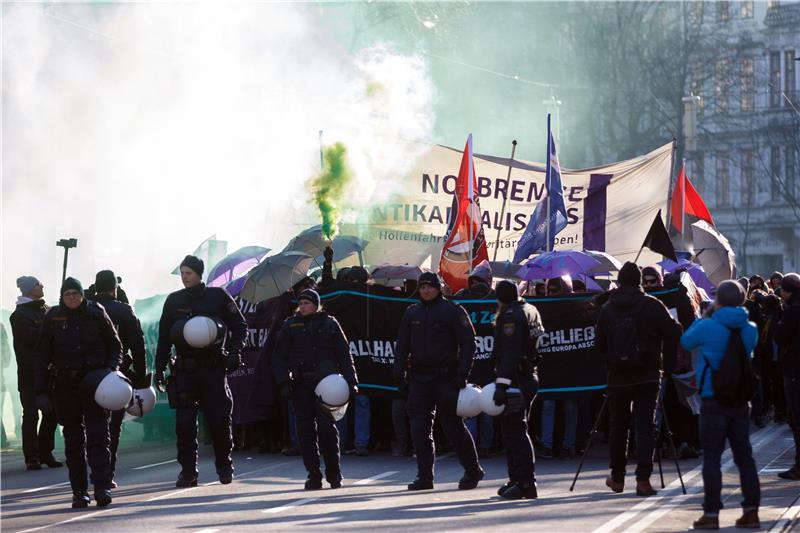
[654, 345]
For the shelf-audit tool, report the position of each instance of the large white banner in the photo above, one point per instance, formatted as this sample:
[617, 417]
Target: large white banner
[610, 208]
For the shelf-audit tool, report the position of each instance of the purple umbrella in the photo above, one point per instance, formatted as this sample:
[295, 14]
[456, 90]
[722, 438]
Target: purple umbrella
[235, 287]
[694, 270]
[234, 265]
[554, 264]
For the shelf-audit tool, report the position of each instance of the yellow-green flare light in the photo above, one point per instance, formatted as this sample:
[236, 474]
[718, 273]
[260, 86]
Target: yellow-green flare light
[329, 187]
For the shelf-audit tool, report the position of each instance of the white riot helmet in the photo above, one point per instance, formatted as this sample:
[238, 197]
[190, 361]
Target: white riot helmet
[143, 401]
[469, 401]
[487, 401]
[202, 331]
[110, 390]
[333, 393]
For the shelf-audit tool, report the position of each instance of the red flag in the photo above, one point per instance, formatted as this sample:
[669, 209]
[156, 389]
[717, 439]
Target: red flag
[464, 243]
[690, 201]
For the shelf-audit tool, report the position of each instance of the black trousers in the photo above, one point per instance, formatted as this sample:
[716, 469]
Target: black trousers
[519, 450]
[85, 435]
[115, 428]
[204, 389]
[791, 386]
[316, 432]
[644, 397]
[423, 400]
[38, 441]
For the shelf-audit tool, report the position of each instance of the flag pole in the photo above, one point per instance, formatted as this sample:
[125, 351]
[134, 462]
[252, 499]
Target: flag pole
[470, 199]
[547, 184]
[505, 198]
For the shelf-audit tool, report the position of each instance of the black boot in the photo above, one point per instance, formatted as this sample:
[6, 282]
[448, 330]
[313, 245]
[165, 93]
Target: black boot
[80, 500]
[505, 487]
[225, 476]
[186, 480]
[102, 497]
[33, 464]
[420, 484]
[520, 491]
[52, 462]
[470, 479]
[314, 481]
[334, 478]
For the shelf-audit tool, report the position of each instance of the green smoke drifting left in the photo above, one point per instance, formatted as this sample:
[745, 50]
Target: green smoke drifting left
[329, 187]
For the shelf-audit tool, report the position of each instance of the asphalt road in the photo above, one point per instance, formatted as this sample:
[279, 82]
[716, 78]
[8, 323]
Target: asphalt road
[268, 494]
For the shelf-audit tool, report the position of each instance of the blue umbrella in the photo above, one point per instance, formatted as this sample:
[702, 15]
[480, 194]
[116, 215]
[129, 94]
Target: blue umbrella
[234, 265]
[694, 270]
[557, 263]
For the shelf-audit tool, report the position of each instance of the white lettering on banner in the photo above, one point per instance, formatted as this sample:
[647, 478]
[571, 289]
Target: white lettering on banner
[256, 337]
[483, 347]
[381, 352]
[564, 340]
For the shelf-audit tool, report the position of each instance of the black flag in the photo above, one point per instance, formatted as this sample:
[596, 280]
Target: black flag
[658, 239]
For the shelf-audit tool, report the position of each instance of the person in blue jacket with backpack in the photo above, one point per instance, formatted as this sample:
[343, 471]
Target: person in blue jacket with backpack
[719, 421]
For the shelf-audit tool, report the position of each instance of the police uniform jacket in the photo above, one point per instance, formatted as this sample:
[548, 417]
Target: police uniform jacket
[129, 330]
[76, 339]
[304, 342]
[436, 338]
[517, 329]
[25, 323]
[213, 302]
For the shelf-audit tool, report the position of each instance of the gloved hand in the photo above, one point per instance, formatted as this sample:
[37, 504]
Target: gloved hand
[234, 362]
[500, 394]
[160, 381]
[43, 403]
[353, 392]
[286, 390]
[458, 383]
[328, 253]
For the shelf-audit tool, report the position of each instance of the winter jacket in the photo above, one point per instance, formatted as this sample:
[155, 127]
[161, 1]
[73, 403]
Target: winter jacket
[130, 334]
[26, 321]
[711, 336]
[787, 336]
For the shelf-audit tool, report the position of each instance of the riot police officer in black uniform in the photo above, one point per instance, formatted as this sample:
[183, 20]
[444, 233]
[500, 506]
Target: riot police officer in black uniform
[77, 336]
[435, 351]
[518, 325]
[129, 330]
[198, 375]
[310, 346]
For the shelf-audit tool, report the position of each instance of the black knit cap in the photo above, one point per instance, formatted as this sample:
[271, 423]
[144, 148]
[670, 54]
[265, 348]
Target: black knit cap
[506, 291]
[71, 284]
[195, 263]
[630, 275]
[105, 281]
[311, 295]
[429, 278]
[791, 283]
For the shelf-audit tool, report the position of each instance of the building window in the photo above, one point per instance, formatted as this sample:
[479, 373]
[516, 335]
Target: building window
[789, 83]
[746, 9]
[748, 85]
[748, 178]
[791, 171]
[773, 3]
[723, 12]
[775, 171]
[721, 84]
[774, 79]
[723, 181]
[697, 84]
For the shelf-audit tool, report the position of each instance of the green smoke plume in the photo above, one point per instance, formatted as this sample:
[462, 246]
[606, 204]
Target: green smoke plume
[328, 188]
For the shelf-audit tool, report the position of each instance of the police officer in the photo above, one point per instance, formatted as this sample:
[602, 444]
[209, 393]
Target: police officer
[311, 345]
[130, 335]
[435, 350]
[198, 375]
[37, 444]
[77, 336]
[517, 328]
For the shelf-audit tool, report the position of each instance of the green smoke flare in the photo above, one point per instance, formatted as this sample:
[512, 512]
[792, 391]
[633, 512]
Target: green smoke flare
[329, 187]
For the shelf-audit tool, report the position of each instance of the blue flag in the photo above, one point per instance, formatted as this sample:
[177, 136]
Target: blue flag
[534, 239]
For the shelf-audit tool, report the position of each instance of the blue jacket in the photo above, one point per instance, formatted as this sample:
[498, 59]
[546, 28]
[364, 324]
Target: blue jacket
[711, 336]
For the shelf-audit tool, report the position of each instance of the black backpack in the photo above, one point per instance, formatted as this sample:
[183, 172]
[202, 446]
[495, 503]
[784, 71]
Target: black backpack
[735, 382]
[625, 351]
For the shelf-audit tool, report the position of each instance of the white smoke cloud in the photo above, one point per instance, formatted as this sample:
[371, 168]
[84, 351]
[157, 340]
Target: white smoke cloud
[141, 129]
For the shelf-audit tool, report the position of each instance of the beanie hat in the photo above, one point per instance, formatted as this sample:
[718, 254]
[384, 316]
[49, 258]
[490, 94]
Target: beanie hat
[776, 274]
[196, 264]
[790, 283]
[26, 284]
[71, 284]
[429, 278]
[730, 294]
[506, 291]
[653, 271]
[105, 281]
[630, 275]
[311, 295]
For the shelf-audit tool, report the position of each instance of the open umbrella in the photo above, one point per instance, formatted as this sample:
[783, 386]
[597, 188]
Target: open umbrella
[505, 270]
[694, 270]
[607, 262]
[234, 265]
[275, 275]
[557, 263]
[312, 242]
[397, 272]
[345, 246]
[714, 252]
